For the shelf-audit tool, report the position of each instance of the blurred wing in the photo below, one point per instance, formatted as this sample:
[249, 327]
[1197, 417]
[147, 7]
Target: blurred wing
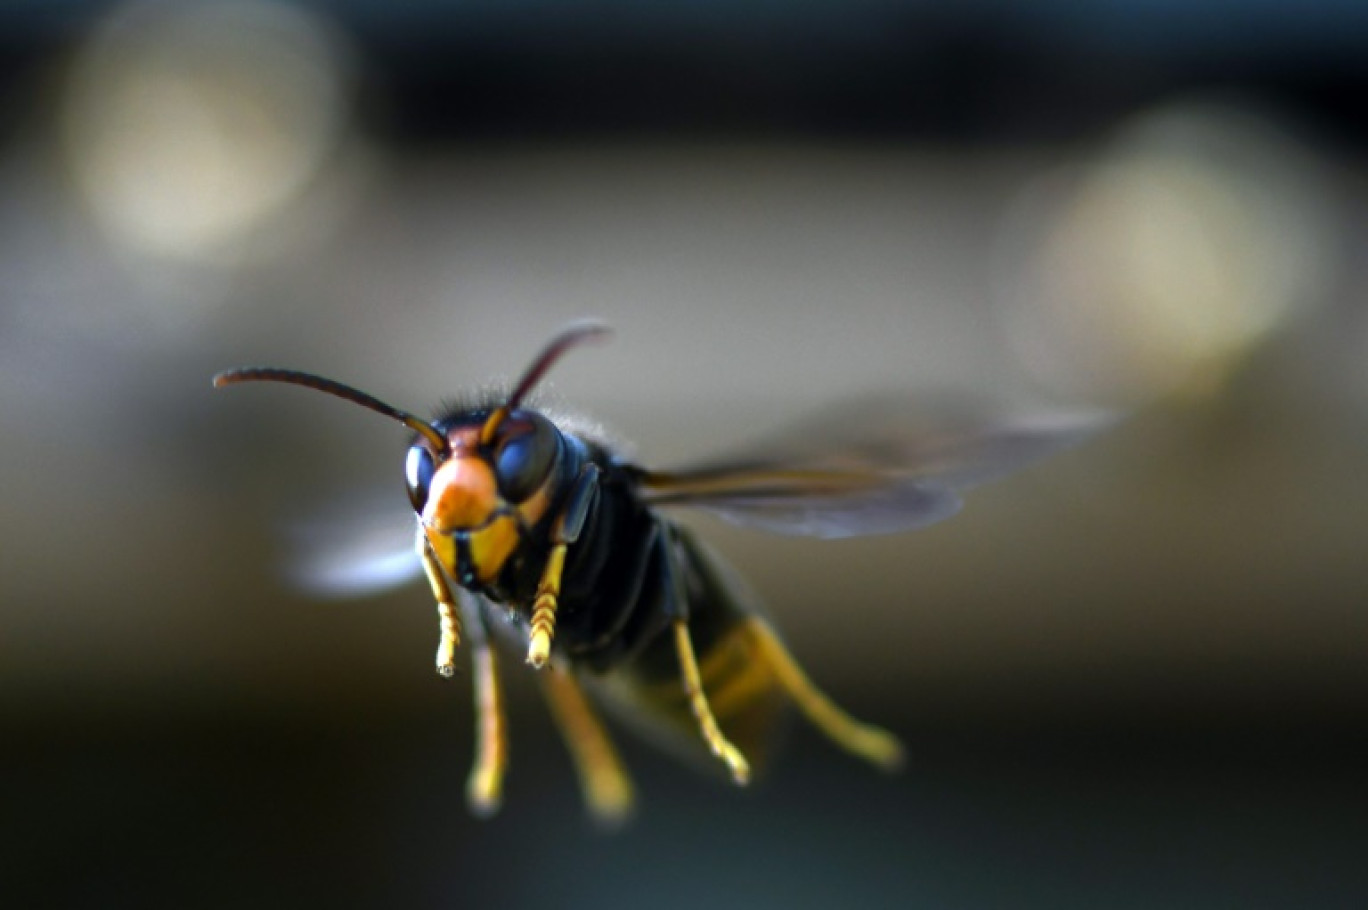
[898, 478]
[880, 509]
[354, 548]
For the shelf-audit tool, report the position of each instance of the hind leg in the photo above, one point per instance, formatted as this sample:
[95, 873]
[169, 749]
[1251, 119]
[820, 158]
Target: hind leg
[865, 740]
[702, 711]
[484, 786]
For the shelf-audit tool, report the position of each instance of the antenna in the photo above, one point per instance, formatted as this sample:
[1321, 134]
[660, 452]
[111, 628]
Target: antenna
[332, 387]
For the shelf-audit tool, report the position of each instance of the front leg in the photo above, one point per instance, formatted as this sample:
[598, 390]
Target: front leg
[565, 530]
[446, 608]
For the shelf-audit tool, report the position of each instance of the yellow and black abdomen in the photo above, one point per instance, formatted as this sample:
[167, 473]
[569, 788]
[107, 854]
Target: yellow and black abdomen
[630, 576]
[745, 694]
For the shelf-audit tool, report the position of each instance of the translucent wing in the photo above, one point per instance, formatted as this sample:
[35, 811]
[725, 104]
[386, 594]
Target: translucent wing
[353, 548]
[898, 473]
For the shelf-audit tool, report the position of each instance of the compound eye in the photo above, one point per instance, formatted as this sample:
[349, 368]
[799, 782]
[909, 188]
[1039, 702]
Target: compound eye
[524, 455]
[418, 470]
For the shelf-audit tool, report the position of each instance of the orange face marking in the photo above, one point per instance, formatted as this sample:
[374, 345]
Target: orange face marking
[463, 495]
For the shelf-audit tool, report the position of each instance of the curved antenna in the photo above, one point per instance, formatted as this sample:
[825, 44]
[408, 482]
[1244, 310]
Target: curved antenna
[332, 387]
[575, 333]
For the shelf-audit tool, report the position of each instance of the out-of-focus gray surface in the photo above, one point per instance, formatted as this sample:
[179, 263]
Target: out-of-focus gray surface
[1130, 676]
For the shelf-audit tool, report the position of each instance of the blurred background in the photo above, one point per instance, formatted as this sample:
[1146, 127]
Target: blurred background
[1131, 677]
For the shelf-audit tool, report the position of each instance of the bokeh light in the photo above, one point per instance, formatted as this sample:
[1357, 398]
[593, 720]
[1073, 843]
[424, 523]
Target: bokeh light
[1155, 266]
[192, 128]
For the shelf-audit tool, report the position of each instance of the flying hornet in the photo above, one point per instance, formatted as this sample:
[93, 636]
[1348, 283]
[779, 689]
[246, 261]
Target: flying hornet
[537, 535]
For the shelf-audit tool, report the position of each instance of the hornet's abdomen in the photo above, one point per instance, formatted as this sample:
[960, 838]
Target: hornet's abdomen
[747, 697]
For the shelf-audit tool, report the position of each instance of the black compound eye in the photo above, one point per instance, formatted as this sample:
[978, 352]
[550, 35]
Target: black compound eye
[524, 455]
[418, 470]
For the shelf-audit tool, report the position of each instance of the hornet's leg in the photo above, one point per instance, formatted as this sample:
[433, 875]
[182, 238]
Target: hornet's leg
[543, 626]
[607, 788]
[698, 703]
[446, 609]
[868, 742]
[484, 787]
[564, 531]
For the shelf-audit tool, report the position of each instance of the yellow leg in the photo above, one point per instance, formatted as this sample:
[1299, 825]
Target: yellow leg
[867, 741]
[544, 609]
[484, 787]
[698, 703]
[446, 610]
[606, 786]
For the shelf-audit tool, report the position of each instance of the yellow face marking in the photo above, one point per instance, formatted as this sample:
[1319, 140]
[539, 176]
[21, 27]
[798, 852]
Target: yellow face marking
[443, 547]
[491, 546]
